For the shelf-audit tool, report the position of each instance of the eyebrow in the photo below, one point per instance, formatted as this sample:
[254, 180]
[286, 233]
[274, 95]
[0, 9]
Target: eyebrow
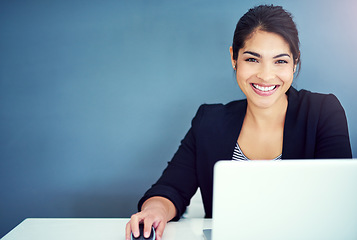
[259, 56]
[253, 53]
[282, 55]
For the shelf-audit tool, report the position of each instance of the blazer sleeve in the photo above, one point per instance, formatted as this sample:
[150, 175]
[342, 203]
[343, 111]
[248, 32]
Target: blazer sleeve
[178, 183]
[332, 139]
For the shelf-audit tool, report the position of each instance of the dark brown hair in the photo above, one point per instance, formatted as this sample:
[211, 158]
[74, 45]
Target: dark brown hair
[267, 18]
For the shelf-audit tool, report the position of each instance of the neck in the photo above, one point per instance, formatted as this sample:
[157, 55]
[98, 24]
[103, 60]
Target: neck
[268, 117]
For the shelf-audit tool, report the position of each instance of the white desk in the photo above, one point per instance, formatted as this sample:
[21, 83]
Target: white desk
[103, 229]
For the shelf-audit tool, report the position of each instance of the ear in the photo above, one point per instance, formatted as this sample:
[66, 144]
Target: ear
[234, 62]
[296, 62]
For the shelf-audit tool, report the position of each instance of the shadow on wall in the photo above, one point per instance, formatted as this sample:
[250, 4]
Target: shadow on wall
[103, 206]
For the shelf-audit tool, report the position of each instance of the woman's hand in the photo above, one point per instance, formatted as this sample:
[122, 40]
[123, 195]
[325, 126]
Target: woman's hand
[156, 212]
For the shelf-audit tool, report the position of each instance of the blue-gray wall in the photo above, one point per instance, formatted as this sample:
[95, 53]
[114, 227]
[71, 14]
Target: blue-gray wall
[96, 95]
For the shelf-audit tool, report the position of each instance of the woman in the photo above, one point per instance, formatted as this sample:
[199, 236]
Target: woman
[275, 121]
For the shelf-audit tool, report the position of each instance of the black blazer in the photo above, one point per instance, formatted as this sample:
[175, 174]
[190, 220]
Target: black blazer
[315, 127]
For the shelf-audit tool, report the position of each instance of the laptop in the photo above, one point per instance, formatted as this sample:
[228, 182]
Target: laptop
[289, 199]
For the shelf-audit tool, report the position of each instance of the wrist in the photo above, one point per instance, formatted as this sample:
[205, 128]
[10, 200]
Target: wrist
[162, 204]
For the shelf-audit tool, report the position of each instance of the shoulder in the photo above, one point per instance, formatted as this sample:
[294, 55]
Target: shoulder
[306, 96]
[211, 115]
[314, 110]
[315, 126]
[231, 107]
[304, 100]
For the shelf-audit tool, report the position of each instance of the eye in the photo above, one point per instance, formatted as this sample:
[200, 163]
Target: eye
[281, 62]
[251, 60]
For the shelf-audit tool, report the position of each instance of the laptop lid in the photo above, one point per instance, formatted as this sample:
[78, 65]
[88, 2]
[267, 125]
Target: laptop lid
[290, 199]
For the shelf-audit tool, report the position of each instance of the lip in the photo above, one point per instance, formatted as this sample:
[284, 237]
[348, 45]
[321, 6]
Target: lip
[264, 93]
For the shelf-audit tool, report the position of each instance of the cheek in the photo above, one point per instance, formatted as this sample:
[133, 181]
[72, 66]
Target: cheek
[244, 72]
[287, 75]
[241, 78]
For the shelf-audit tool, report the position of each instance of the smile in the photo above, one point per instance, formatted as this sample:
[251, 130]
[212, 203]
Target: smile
[264, 91]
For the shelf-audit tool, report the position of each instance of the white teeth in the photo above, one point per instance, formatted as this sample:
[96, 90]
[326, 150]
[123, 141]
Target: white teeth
[264, 89]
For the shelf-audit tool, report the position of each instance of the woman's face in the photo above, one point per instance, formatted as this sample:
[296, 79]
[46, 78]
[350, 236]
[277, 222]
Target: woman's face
[265, 69]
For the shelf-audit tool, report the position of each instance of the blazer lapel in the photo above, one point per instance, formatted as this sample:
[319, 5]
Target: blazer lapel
[232, 125]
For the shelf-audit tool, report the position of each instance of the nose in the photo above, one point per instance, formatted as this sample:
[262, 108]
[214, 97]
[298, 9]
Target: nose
[266, 72]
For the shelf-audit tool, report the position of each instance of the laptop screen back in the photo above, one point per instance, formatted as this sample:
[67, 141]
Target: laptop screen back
[290, 199]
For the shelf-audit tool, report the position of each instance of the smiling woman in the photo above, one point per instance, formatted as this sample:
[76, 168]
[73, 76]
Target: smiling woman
[274, 122]
[265, 72]
[266, 69]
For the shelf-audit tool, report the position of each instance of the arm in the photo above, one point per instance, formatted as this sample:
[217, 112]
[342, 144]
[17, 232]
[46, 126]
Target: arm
[332, 133]
[168, 197]
[178, 183]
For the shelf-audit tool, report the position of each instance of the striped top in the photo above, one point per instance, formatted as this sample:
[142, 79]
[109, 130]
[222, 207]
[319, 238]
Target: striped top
[238, 155]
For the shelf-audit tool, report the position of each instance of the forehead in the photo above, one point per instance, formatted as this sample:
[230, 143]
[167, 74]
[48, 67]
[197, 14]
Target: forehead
[266, 43]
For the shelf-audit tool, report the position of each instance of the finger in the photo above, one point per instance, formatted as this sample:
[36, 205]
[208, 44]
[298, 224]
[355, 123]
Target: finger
[134, 224]
[147, 231]
[147, 227]
[160, 230]
[128, 231]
